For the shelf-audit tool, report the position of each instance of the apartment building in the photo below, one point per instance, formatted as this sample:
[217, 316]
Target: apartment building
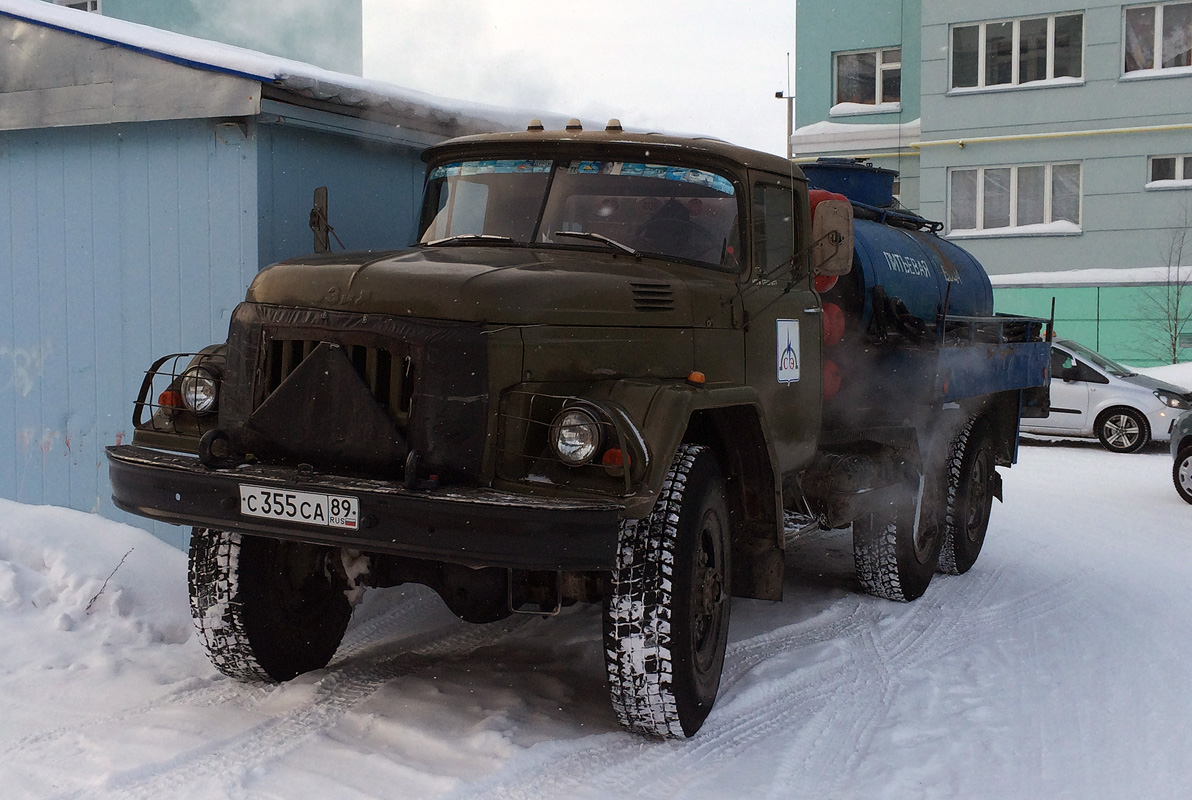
[1053, 140]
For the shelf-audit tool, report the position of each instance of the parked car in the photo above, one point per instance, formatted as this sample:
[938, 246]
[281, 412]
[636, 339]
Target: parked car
[1092, 395]
[1181, 453]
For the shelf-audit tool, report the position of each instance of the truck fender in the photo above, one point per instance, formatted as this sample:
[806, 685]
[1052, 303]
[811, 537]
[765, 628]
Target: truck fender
[730, 420]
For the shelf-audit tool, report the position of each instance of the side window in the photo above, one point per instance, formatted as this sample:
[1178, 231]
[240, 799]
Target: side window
[775, 226]
[1060, 361]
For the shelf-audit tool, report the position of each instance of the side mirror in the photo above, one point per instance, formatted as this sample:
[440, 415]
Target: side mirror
[832, 237]
[1071, 374]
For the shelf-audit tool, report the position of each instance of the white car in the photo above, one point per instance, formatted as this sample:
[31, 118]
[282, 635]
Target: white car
[1092, 395]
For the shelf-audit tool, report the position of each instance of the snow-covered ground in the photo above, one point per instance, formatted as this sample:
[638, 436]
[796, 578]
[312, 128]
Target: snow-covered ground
[1059, 667]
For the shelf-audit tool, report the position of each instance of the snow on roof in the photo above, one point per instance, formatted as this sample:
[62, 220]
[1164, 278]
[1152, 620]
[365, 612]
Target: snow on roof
[359, 96]
[828, 136]
[1126, 276]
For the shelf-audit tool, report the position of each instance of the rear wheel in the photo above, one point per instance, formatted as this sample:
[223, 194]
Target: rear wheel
[266, 610]
[666, 614]
[1123, 430]
[1181, 473]
[893, 559]
[971, 477]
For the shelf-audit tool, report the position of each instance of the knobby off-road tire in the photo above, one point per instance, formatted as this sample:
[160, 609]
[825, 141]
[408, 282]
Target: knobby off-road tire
[1123, 430]
[266, 610]
[890, 560]
[1181, 473]
[666, 614]
[971, 477]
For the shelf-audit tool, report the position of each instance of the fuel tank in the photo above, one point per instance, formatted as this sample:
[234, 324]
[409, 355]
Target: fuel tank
[898, 257]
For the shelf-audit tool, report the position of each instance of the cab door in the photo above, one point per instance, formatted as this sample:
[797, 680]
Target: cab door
[782, 314]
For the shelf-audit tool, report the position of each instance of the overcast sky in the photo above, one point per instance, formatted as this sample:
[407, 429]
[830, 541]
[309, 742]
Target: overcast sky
[685, 66]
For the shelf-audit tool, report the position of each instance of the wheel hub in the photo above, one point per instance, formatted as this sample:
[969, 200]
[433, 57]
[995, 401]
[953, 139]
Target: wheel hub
[1121, 431]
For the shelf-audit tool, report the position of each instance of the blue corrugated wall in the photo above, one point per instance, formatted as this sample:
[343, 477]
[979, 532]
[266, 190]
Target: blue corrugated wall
[372, 190]
[118, 243]
[122, 243]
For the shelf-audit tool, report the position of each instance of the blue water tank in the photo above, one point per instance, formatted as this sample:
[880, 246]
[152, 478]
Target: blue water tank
[859, 182]
[898, 251]
[920, 269]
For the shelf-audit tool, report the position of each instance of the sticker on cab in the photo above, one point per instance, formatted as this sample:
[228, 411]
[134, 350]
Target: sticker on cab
[788, 350]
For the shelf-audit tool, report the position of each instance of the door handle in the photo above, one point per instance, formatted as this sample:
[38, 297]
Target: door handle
[816, 310]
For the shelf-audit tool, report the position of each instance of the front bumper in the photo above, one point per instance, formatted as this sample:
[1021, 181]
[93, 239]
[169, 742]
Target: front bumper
[1161, 422]
[475, 527]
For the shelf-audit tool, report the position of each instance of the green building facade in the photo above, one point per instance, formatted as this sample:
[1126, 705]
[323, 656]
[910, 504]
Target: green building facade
[1054, 142]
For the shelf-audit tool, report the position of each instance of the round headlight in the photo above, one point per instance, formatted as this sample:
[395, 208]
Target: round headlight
[200, 389]
[575, 436]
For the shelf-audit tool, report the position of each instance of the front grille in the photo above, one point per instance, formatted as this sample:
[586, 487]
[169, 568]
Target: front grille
[355, 392]
[388, 374]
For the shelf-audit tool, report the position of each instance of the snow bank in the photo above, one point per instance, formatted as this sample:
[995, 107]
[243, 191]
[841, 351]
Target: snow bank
[1177, 374]
[82, 628]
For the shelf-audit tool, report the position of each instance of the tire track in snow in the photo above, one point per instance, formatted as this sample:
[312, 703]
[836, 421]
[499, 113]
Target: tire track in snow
[345, 686]
[219, 690]
[621, 760]
[901, 652]
[823, 695]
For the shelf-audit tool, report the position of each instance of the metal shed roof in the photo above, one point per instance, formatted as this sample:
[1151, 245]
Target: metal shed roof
[279, 78]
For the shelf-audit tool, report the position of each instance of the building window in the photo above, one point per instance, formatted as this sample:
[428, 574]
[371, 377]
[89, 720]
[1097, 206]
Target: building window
[871, 78]
[81, 5]
[1158, 37]
[1018, 52]
[1027, 198]
[1169, 172]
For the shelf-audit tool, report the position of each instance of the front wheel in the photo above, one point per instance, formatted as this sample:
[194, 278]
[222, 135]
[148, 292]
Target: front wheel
[1181, 473]
[1123, 430]
[666, 614]
[266, 610]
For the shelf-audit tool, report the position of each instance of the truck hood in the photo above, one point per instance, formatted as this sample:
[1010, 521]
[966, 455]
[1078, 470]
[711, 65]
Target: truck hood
[492, 285]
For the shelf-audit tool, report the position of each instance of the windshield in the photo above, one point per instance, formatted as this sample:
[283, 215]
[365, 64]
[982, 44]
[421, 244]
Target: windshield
[672, 211]
[1093, 357]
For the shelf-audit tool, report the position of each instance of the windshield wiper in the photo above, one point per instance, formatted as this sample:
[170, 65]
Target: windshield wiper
[469, 237]
[599, 237]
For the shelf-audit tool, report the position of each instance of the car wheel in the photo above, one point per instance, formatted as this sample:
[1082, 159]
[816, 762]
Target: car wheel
[667, 609]
[1181, 473]
[1123, 430]
[266, 610]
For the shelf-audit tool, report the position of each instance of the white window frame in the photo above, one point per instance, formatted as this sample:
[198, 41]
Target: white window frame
[878, 106]
[91, 5]
[1183, 173]
[1015, 229]
[1157, 69]
[1016, 35]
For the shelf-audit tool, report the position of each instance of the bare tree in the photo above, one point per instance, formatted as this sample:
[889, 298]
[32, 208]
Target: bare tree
[1171, 301]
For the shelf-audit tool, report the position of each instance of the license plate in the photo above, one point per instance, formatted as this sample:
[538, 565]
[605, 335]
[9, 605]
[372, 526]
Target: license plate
[328, 510]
